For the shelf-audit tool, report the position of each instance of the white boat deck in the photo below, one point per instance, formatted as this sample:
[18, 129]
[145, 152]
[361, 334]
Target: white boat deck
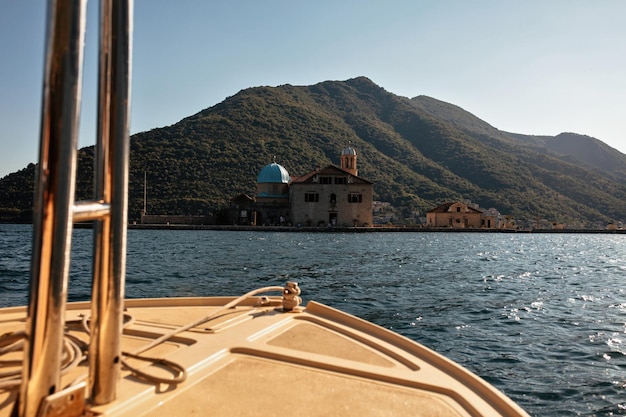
[261, 361]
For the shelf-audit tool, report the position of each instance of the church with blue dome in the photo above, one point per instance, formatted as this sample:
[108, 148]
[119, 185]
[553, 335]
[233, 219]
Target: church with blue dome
[272, 195]
[331, 197]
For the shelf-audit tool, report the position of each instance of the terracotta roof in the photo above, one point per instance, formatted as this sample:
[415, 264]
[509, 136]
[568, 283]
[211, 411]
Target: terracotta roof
[446, 206]
[327, 170]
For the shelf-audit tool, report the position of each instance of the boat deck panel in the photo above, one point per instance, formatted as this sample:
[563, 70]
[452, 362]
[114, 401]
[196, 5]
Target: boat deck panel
[252, 387]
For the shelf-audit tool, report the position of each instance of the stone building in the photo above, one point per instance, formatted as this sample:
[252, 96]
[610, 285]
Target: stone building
[241, 211]
[455, 215]
[331, 196]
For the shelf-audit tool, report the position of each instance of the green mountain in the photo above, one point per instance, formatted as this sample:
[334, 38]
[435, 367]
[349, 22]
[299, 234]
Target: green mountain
[419, 152]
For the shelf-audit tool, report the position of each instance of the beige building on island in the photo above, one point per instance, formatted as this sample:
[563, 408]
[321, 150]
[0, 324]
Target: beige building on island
[456, 215]
[332, 196]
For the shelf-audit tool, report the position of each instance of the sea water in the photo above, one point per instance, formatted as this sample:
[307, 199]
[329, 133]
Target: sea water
[542, 317]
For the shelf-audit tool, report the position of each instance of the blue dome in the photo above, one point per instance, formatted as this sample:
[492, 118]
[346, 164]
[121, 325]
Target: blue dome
[273, 173]
[348, 151]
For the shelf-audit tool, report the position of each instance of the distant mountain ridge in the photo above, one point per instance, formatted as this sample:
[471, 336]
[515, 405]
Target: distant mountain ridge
[419, 153]
[571, 147]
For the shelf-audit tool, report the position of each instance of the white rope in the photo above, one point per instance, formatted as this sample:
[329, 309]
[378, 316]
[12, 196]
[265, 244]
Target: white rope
[72, 355]
[73, 347]
[205, 318]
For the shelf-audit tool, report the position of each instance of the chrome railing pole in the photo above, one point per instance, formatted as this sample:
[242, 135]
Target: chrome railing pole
[54, 198]
[111, 186]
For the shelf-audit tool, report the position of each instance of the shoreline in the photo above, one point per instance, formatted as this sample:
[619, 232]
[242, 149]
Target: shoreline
[380, 229]
[376, 229]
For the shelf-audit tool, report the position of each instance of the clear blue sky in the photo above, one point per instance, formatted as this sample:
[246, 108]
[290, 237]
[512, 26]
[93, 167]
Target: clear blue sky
[532, 66]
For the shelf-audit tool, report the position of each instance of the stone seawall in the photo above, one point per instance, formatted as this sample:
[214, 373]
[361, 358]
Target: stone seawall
[173, 226]
[164, 219]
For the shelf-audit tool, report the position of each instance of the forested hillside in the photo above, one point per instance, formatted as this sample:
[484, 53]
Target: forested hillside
[419, 152]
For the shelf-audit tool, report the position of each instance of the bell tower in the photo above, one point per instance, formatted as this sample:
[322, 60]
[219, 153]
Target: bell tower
[348, 160]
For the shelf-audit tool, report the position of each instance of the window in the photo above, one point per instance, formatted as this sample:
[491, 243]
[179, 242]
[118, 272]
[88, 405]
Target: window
[311, 197]
[458, 209]
[355, 198]
[341, 180]
[326, 180]
[333, 198]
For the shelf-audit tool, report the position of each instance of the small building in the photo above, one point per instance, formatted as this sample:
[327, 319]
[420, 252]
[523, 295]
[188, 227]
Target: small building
[492, 219]
[612, 226]
[457, 215]
[242, 210]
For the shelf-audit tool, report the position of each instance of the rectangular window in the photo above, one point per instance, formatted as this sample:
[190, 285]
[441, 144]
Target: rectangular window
[341, 180]
[311, 197]
[355, 198]
[326, 180]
